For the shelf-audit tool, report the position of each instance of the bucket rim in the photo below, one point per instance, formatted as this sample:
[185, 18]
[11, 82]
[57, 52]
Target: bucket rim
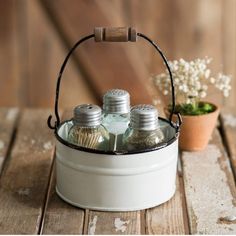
[84, 149]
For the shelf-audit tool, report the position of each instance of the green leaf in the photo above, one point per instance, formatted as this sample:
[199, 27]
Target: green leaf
[200, 108]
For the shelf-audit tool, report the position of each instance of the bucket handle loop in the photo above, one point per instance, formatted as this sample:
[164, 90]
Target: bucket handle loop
[113, 34]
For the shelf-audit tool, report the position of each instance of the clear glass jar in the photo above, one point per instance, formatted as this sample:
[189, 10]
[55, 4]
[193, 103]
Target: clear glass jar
[87, 130]
[143, 132]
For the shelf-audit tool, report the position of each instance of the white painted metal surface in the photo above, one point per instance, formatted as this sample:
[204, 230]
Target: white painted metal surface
[115, 182]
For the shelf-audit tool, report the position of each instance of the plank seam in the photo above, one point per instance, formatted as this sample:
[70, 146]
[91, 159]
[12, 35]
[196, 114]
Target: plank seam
[143, 227]
[226, 146]
[183, 197]
[65, 42]
[11, 143]
[86, 220]
[47, 195]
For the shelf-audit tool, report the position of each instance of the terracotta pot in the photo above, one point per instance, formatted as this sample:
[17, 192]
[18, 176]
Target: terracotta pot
[196, 130]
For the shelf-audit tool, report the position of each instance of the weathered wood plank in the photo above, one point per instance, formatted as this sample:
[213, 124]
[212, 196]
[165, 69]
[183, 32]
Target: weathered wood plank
[228, 121]
[58, 213]
[24, 181]
[8, 117]
[45, 42]
[11, 88]
[106, 65]
[229, 45]
[210, 190]
[158, 28]
[169, 217]
[194, 31]
[60, 217]
[113, 222]
[121, 16]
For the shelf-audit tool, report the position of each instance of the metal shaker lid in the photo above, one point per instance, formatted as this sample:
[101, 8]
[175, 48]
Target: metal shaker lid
[144, 117]
[87, 115]
[116, 101]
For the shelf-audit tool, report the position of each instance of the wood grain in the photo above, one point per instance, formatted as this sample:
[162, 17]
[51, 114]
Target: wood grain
[134, 53]
[210, 189]
[30, 59]
[24, 181]
[113, 222]
[168, 218]
[228, 122]
[229, 46]
[198, 33]
[46, 54]
[8, 118]
[158, 27]
[11, 85]
[28, 72]
[60, 217]
[106, 65]
[154, 18]
[114, 34]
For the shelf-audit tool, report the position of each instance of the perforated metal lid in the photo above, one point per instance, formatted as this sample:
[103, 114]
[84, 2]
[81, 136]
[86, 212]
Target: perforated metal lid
[144, 117]
[87, 115]
[116, 101]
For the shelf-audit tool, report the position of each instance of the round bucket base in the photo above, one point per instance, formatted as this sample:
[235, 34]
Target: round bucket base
[137, 208]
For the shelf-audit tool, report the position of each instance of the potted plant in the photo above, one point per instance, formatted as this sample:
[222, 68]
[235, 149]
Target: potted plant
[192, 80]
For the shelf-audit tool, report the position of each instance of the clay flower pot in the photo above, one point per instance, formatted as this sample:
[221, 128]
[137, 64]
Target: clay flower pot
[196, 130]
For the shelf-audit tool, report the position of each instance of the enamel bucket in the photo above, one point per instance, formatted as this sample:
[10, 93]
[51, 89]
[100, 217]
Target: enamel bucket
[111, 181]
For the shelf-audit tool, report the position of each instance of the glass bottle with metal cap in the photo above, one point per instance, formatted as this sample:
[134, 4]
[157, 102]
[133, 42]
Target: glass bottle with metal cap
[144, 131]
[116, 108]
[87, 130]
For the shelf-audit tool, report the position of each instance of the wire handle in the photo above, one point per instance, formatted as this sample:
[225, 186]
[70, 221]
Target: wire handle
[113, 34]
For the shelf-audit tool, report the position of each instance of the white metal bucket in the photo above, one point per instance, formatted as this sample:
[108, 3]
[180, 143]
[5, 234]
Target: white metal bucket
[115, 182]
[106, 181]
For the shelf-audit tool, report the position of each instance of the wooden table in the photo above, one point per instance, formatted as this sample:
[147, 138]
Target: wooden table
[204, 202]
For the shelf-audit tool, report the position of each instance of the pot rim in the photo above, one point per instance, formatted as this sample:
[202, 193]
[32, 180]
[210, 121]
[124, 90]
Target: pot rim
[217, 108]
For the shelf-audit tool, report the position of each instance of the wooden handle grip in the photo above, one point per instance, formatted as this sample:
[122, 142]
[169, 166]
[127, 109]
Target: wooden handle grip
[115, 34]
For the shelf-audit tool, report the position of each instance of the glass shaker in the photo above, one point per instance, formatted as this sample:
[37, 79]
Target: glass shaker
[116, 108]
[87, 130]
[144, 131]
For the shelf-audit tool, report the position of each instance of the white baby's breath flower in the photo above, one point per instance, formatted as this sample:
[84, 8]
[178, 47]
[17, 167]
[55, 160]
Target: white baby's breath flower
[185, 88]
[165, 92]
[202, 94]
[198, 85]
[207, 73]
[226, 93]
[212, 80]
[177, 81]
[188, 101]
[194, 93]
[191, 80]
